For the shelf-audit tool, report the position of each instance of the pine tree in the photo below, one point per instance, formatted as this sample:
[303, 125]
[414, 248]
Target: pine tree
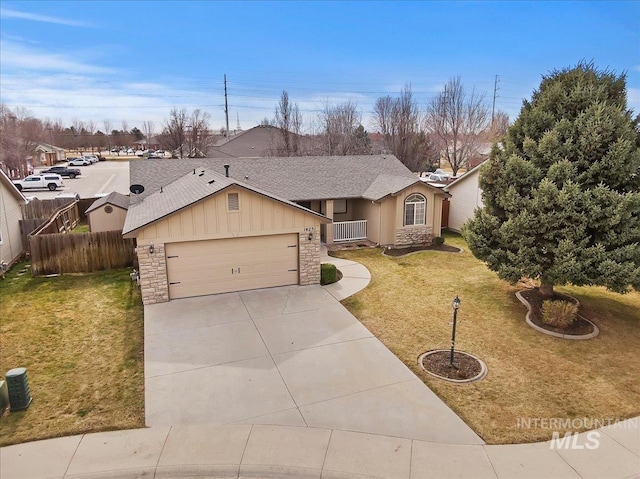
[562, 194]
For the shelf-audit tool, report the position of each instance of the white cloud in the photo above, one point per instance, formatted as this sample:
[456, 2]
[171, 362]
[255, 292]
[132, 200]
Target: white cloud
[18, 57]
[9, 13]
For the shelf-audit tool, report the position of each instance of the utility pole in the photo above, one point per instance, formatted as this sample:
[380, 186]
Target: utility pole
[495, 93]
[226, 106]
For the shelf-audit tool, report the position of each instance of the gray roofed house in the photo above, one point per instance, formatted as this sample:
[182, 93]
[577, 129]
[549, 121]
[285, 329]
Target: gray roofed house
[108, 213]
[256, 142]
[201, 231]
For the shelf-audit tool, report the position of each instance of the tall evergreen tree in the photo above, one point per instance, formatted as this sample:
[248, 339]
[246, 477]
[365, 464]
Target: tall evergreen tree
[562, 195]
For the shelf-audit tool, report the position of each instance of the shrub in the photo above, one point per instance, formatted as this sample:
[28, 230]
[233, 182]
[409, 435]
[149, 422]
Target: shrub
[559, 314]
[438, 240]
[328, 273]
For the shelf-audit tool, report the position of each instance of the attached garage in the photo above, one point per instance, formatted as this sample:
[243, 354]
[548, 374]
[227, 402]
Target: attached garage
[197, 268]
[206, 233]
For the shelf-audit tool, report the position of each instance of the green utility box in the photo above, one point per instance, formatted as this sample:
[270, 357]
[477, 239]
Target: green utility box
[18, 385]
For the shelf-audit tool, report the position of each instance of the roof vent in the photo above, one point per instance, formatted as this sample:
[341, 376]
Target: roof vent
[201, 173]
[226, 171]
[211, 182]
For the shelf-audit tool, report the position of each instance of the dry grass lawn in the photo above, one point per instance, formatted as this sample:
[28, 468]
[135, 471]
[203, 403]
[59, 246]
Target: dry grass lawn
[531, 375]
[81, 339]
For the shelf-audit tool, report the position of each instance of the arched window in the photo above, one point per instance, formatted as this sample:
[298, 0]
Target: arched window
[414, 210]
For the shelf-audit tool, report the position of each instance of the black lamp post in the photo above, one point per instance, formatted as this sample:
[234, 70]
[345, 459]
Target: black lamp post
[456, 306]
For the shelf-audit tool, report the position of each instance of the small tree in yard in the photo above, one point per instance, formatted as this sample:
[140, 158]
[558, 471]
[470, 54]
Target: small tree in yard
[562, 196]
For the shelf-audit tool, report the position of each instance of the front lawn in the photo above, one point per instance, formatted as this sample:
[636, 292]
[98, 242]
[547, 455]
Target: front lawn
[532, 377]
[81, 339]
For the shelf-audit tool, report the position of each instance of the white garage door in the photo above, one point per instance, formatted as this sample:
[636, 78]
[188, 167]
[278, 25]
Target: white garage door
[197, 268]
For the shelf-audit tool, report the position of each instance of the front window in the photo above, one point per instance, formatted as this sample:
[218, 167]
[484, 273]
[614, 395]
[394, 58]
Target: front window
[414, 209]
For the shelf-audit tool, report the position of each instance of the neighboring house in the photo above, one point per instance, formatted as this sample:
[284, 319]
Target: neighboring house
[466, 197]
[47, 155]
[11, 201]
[256, 142]
[152, 143]
[108, 213]
[251, 143]
[333, 199]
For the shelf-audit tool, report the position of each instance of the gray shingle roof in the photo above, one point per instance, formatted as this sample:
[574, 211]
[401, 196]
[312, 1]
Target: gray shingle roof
[196, 185]
[113, 198]
[293, 178]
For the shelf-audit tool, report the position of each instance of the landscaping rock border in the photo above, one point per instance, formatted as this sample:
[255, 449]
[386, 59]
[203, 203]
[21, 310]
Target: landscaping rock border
[577, 337]
[483, 367]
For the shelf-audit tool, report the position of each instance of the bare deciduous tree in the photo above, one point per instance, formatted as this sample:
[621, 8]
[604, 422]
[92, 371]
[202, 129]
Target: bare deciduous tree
[107, 131]
[148, 130]
[398, 119]
[20, 134]
[174, 132]
[200, 135]
[499, 126]
[288, 120]
[457, 121]
[339, 130]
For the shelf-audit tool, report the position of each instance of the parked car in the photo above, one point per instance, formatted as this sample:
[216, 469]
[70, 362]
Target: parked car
[79, 162]
[63, 171]
[40, 182]
[130, 151]
[443, 174]
[114, 150]
[437, 177]
[91, 158]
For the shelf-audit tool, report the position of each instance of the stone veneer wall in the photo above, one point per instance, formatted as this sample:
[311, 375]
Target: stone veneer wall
[153, 274]
[414, 235]
[309, 261]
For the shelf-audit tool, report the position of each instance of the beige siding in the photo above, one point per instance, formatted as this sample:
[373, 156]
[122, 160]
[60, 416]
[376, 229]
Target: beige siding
[466, 196]
[392, 212]
[10, 214]
[388, 220]
[349, 215]
[100, 220]
[370, 211]
[210, 219]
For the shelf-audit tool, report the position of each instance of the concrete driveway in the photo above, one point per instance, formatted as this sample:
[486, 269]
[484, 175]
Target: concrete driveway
[290, 356]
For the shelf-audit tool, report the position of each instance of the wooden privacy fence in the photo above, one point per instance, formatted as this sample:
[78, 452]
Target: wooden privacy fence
[61, 253]
[63, 221]
[42, 209]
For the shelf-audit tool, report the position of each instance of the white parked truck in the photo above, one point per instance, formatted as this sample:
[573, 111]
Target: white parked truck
[45, 181]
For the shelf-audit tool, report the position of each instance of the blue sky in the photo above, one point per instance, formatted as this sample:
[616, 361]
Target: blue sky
[135, 61]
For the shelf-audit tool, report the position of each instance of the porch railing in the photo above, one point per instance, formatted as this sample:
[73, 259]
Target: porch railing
[349, 230]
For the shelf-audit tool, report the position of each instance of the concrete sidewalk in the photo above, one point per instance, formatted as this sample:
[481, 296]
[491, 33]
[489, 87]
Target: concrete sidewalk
[249, 451]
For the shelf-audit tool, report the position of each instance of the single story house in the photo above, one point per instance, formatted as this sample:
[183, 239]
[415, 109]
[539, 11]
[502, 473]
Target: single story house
[466, 197]
[11, 201]
[209, 222]
[108, 213]
[47, 155]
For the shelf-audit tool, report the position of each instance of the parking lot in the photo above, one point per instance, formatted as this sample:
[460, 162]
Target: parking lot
[101, 177]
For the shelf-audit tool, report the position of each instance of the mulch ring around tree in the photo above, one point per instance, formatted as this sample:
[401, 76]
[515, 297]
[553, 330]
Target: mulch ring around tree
[581, 327]
[466, 368]
[395, 252]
